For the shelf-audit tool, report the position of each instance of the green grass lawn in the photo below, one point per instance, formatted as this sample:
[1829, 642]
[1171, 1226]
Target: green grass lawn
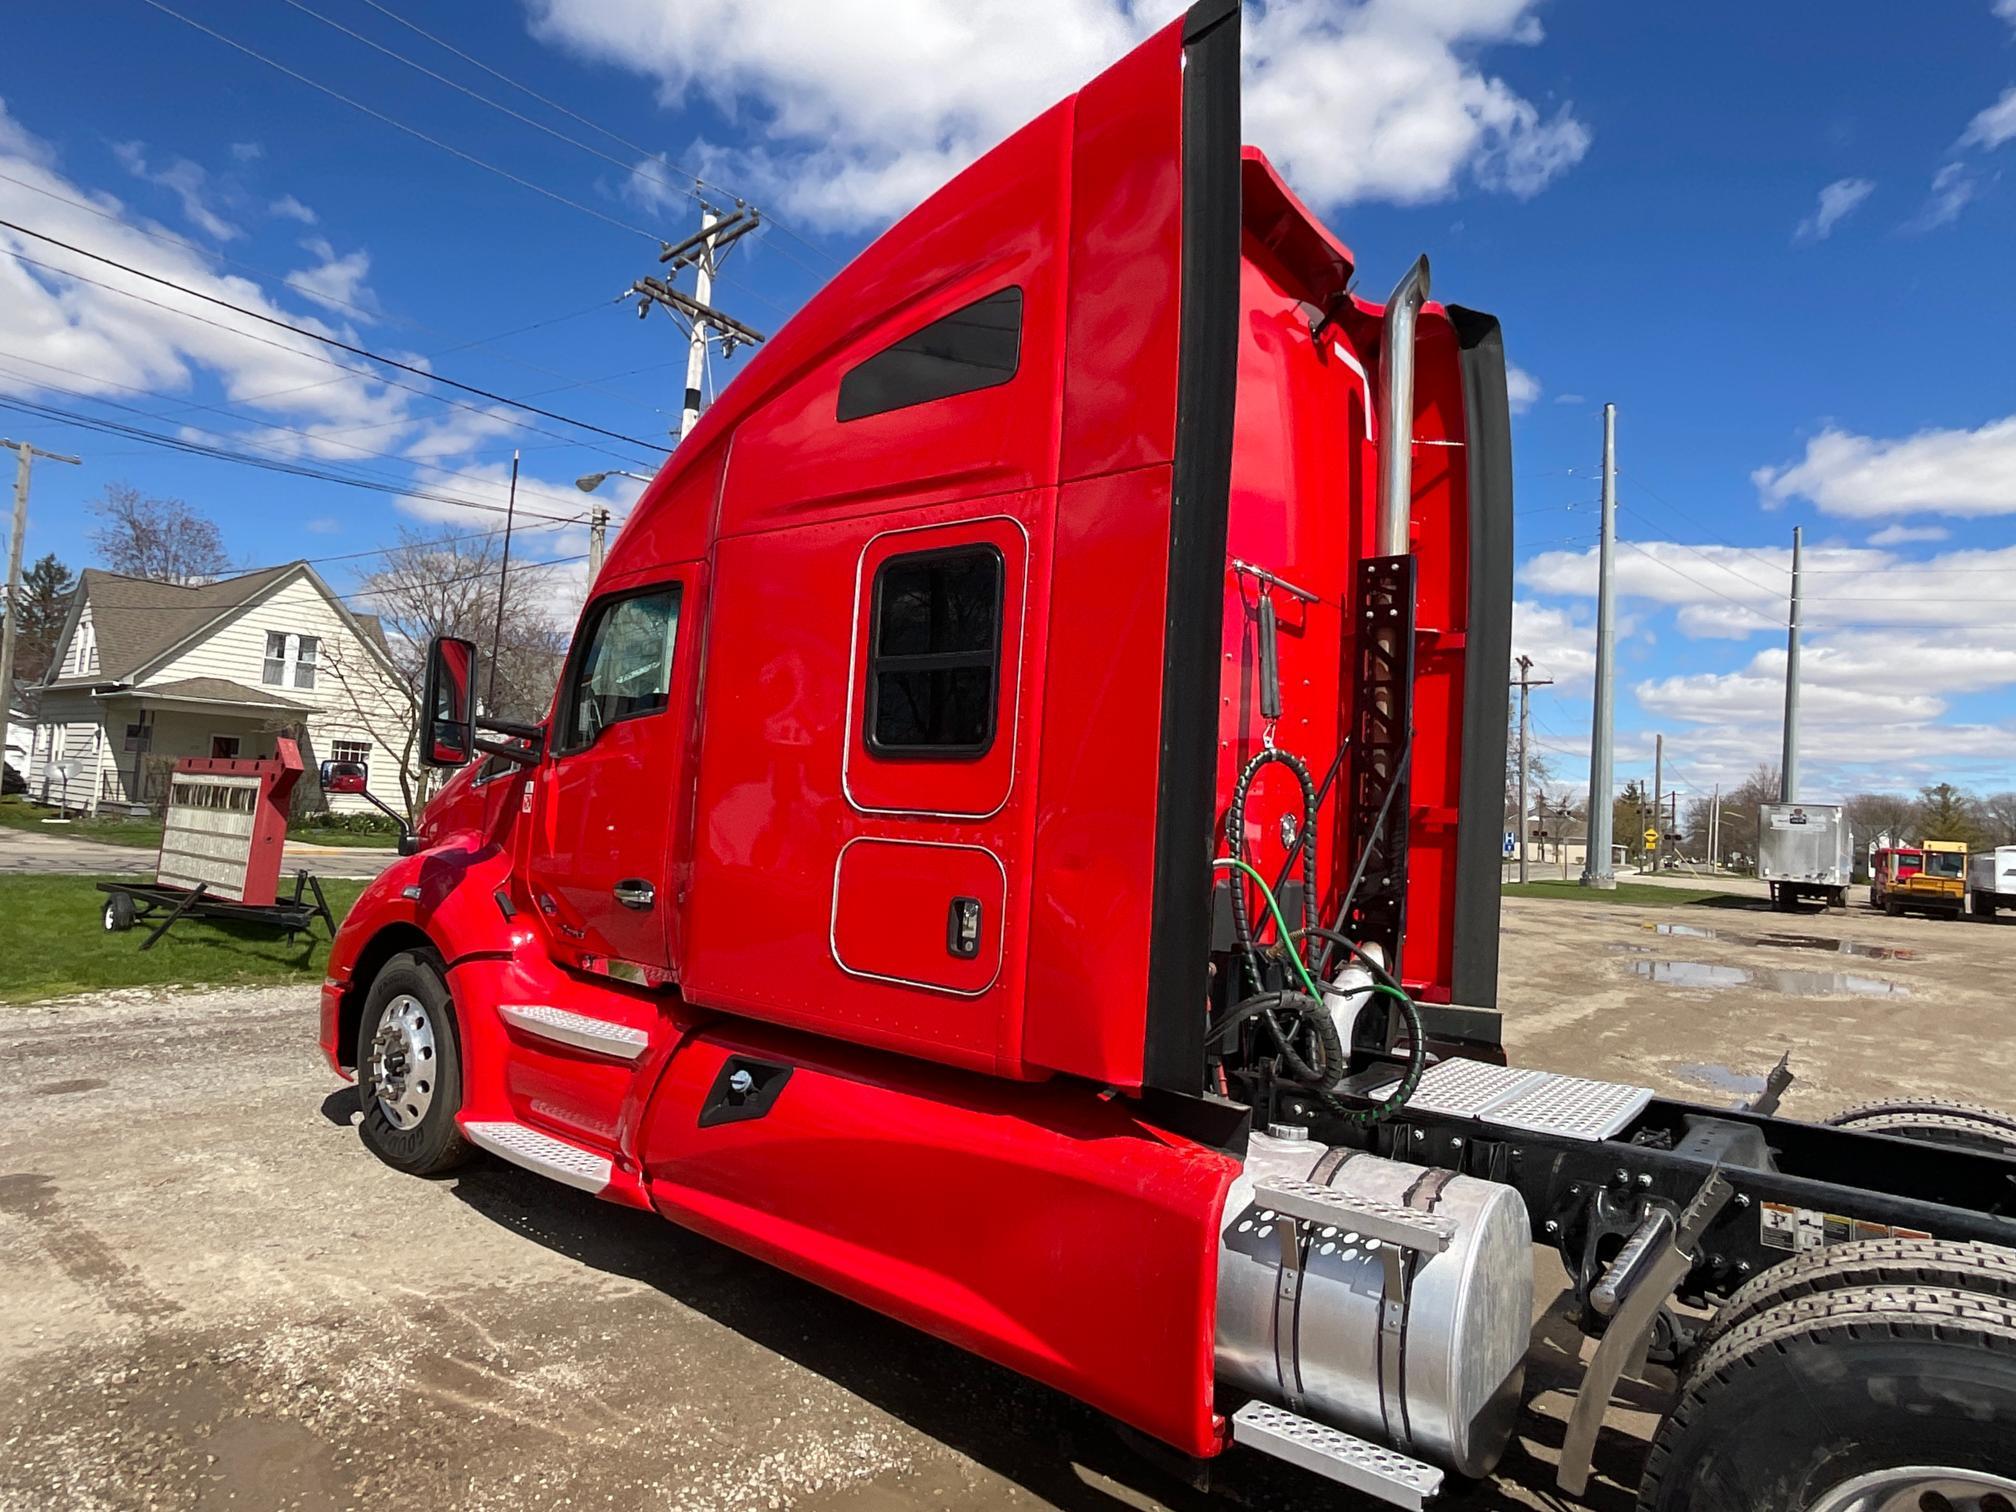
[18, 813]
[52, 943]
[1641, 894]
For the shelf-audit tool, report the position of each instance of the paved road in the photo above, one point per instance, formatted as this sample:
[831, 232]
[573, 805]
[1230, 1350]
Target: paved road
[215, 1297]
[52, 852]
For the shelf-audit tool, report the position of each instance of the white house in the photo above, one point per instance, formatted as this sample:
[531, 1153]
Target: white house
[148, 672]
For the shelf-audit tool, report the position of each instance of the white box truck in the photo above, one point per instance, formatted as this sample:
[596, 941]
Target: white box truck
[1991, 881]
[1803, 851]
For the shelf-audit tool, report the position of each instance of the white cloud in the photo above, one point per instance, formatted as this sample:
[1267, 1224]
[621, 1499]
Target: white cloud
[247, 152]
[1521, 389]
[1952, 187]
[1837, 201]
[1561, 646]
[68, 338]
[1902, 535]
[1951, 472]
[2006, 9]
[289, 208]
[856, 109]
[1996, 124]
[1569, 399]
[335, 283]
[186, 180]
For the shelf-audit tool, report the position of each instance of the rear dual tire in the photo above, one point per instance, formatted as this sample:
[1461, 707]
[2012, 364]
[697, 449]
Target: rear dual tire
[1860, 1400]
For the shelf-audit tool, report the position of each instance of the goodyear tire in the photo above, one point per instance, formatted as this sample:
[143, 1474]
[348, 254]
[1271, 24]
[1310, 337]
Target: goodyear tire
[1987, 1270]
[1804, 1405]
[409, 1068]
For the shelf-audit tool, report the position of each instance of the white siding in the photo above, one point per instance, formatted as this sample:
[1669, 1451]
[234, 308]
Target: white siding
[353, 697]
[80, 657]
[67, 729]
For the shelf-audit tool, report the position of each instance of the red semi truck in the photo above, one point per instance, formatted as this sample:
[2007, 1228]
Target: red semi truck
[1016, 843]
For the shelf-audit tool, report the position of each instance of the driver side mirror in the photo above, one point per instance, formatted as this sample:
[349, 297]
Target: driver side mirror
[345, 777]
[448, 703]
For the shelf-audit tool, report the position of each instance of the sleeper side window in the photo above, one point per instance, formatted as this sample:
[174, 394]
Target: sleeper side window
[976, 347]
[934, 656]
[626, 670]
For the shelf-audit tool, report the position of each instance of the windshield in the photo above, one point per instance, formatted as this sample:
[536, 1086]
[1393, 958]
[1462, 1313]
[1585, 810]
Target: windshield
[1944, 863]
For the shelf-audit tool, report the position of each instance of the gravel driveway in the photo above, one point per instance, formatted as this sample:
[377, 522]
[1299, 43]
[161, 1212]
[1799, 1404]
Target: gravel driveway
[215, 1297]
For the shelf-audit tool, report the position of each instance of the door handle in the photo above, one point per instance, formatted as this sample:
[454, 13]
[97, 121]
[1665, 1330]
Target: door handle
[635, 892]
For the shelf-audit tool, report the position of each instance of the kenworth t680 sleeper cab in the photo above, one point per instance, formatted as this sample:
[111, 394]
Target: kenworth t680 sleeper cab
[1016, 841]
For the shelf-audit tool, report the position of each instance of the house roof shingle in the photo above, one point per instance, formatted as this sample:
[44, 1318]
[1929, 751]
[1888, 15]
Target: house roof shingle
[136, 619]
[218, 690]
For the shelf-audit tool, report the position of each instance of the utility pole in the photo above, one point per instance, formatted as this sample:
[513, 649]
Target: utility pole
[503, 582]
[1596, 870]
[702, 253]
[1788, 760]
[1658, 824]
[598, 532]
[1715, 831]
[24, 454]
[1526, 682]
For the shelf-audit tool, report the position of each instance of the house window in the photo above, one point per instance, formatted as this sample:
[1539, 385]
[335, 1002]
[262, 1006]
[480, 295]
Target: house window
[140, 735]
[935, 654]
[349, 750]
[83, 655]
[291, 660]
[977, 347]
[626, 672]
[224, 747]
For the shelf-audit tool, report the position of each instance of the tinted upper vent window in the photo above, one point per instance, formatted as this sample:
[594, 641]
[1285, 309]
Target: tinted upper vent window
[935, 655]
[972, 348]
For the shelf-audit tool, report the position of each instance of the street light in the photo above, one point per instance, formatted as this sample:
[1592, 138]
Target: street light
[589, 482]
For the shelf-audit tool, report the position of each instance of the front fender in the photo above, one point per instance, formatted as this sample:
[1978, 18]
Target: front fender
[455, 897]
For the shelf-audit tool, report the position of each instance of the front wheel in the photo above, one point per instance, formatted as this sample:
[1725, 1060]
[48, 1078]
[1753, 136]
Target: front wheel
[409, 1068]
[1852, 1401]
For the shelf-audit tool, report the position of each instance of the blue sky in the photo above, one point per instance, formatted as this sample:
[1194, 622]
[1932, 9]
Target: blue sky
[1779, 238]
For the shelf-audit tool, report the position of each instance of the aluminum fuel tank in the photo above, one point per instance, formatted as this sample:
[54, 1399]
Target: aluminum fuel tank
[1436, 1371]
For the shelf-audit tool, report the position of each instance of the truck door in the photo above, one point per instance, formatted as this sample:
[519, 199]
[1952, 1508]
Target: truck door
[601, 854]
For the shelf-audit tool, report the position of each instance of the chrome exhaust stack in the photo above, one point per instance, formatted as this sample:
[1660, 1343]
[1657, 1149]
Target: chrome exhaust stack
[1396, 408]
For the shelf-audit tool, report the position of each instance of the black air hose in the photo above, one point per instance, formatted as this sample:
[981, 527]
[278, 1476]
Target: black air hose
[1235, 838]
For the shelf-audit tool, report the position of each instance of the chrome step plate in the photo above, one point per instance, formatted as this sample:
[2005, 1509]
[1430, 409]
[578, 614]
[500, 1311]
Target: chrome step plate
[1540, 1102]
[576, 1029]
[1389, 1223]
[553, 1158]
[1387, 1474]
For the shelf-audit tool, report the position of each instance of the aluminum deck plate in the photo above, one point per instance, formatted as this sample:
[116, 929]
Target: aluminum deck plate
[1540, 1102]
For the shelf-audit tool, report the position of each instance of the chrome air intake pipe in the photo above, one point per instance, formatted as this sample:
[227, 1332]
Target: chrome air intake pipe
[1396, 408]
[1422, 1351]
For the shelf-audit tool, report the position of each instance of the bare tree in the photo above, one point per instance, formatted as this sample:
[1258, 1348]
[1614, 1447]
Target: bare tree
[1871, 815]
[439, 583]
[163, 540]
[1998, 812]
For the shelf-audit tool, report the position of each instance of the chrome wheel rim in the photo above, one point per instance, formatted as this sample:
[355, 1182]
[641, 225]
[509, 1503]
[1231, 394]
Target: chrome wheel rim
[402, 1062]
[1921, 1488]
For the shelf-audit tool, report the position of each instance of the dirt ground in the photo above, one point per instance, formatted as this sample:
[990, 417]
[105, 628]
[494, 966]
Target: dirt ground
[216, 1298]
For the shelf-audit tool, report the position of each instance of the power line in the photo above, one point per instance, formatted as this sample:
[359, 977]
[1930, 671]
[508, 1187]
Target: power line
[376, 593]
[621, 141]
[433, 467]
[413, 131]
[288, 325]
[482, 99]
[1718, 566]
[102, 426]
[287, 281]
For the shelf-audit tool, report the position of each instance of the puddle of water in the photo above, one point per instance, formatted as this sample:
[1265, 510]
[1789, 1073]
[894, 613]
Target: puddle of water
[1708, 975]
[1687, 931]
[1839, 947]
[1721, 1078]
[1786, 942]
